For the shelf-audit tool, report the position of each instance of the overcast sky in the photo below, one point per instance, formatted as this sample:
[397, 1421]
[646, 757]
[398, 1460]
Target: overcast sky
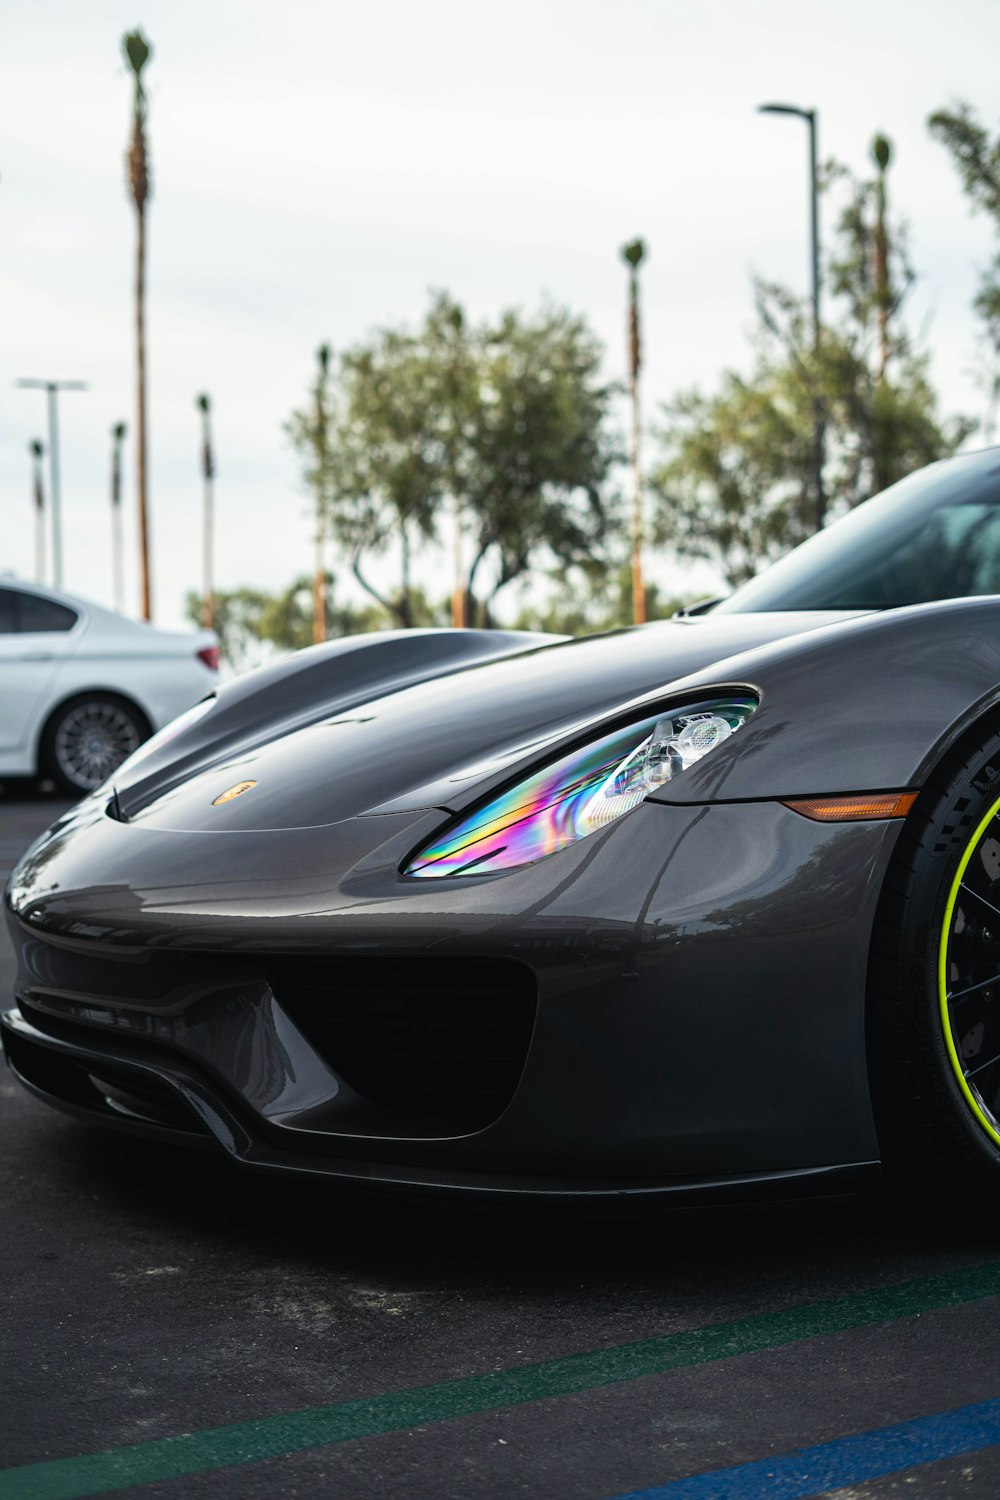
[318, 167]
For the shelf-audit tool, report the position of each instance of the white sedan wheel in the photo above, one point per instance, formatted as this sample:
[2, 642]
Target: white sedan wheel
[89, 740]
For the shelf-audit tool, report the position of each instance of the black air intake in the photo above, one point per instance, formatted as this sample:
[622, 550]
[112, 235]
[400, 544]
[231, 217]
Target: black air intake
[424, 1036]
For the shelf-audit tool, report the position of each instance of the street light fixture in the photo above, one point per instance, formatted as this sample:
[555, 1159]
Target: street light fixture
[53, 387]
[810, 117]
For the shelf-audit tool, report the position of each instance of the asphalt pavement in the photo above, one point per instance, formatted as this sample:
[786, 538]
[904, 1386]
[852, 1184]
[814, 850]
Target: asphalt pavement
[172, 1328]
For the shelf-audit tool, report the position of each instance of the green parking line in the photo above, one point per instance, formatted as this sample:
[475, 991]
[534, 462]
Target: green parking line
[271, 1437]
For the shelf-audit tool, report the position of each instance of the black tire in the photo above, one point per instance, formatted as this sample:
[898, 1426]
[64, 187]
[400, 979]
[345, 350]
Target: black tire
[87, 738]
[933, 1012]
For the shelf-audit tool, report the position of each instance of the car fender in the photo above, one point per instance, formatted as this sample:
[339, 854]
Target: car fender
[867, 704]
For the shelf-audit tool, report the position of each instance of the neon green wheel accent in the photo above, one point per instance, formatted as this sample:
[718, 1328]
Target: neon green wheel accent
[989, 1125]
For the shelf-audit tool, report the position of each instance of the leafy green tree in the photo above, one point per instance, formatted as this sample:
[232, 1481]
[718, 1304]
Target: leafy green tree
[592, 596]
[735, 485]
[503, 426]
[734, 481]
[384, 477]
[872, 370]
[537, 453]
[977, 160]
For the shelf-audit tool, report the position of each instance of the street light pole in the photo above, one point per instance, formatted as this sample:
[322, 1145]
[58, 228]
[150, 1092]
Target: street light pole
[53, 387]
[810, 117]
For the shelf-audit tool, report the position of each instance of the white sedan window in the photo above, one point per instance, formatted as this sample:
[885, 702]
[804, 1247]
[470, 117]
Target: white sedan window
[29, 613]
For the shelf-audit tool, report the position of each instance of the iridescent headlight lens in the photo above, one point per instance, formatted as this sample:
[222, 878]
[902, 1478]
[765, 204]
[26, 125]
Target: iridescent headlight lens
[582, 792]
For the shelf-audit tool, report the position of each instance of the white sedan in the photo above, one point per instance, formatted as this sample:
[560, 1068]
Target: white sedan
[82, 687]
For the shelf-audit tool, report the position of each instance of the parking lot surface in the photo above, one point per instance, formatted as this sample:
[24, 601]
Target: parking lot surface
[172, 1328]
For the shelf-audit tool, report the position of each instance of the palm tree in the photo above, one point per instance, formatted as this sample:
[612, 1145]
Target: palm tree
[137, 53]
[882, 154]
[37, 452]
[204, 405]
[319, 575]
[633, 254]
[117, 564]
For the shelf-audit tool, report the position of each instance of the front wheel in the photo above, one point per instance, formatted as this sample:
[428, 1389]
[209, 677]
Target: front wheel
[934, 991]
[88, 738]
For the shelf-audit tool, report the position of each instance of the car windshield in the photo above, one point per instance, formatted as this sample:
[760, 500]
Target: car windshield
[935, 535]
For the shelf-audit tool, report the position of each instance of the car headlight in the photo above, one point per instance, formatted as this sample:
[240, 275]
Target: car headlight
[582, 792]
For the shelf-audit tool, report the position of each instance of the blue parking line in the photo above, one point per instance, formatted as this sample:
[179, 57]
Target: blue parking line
[849, 1460]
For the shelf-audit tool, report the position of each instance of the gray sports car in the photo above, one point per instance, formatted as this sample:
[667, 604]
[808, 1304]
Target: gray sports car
[702, 907]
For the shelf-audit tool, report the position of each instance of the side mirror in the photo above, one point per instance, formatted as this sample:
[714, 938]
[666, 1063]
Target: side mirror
[702, 607]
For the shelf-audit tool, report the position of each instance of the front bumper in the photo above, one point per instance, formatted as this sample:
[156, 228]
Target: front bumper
[699, 976]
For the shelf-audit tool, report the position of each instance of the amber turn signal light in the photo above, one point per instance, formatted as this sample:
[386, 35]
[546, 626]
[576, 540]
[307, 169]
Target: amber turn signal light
[852, 809]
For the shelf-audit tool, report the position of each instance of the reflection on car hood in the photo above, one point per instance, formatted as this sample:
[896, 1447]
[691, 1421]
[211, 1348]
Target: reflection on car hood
[434, 743]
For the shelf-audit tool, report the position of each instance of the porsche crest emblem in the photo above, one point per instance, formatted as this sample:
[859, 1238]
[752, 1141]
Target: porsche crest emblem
[234, 791]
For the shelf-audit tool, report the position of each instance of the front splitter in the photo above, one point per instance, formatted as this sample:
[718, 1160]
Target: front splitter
[61, 1073]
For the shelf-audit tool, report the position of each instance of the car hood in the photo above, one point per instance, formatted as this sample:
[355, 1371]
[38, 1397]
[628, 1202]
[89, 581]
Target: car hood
[441, 742]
